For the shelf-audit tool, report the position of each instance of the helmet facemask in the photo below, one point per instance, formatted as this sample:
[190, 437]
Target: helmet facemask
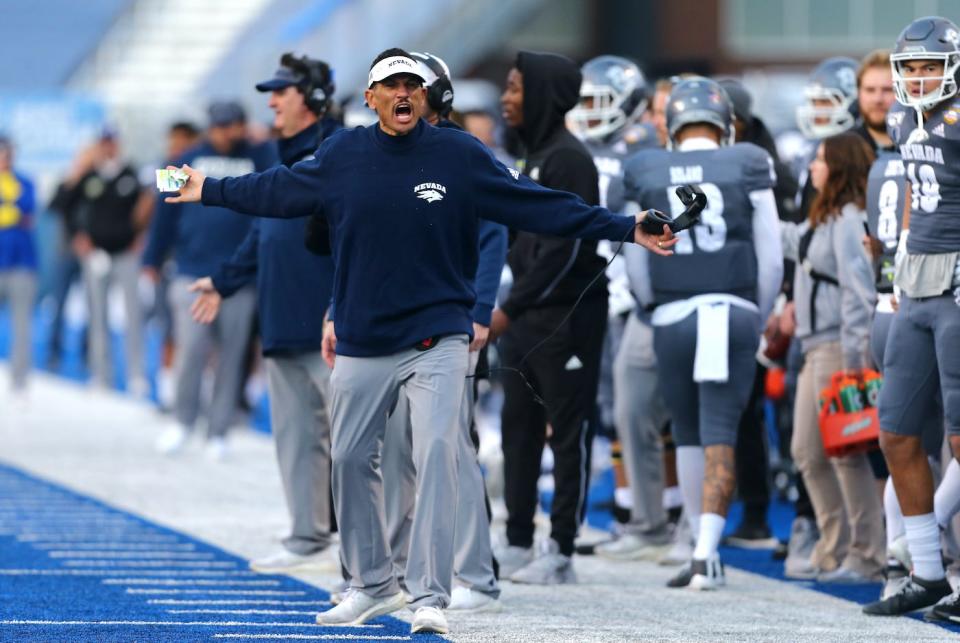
[836, 117]
[604, 117]
[927, 100]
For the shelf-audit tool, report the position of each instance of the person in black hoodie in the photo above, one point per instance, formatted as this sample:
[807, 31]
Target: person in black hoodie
[558, 355]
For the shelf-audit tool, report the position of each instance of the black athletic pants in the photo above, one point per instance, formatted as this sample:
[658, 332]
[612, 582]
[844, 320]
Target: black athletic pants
[564, 372]
[753, 464]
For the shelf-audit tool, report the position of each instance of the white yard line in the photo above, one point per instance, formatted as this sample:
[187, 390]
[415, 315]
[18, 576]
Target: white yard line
[314, 637]
[146, 563]
[173, 601]
[172, 623]
[225, 592]
[189, 581]
[146, 573]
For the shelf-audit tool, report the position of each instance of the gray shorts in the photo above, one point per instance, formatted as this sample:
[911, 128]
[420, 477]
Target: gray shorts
[922, 357]
[706, 413]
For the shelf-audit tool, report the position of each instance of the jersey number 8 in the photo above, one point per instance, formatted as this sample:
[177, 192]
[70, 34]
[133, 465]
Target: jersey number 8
[889, 202]
[711, 232]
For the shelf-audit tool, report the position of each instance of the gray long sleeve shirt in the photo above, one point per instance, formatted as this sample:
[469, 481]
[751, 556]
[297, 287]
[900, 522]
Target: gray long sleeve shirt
[843, 312]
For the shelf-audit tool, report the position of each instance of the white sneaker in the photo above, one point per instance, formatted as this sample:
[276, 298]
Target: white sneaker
[512, 559]
[172, 439]
[337, 595]
[803, 540]
[429, 619]
[549, 568]
[467, 601]
[700, 574]
[708, 574]
[357, 608]
[216, 449]
[635, 547]
[285, 562]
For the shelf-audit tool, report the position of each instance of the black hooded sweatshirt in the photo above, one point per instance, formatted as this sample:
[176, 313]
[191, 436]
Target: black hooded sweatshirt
[549, 271]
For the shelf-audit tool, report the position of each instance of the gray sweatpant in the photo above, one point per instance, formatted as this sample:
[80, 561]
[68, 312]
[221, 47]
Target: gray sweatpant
[229, 334]
[100, 271]
[299, 387]
[640, 413]
[363, 392]
[473, 555]
[19, 289]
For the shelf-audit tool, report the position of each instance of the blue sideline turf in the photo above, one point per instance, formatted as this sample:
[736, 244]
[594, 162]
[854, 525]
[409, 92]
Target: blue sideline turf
[75, 569]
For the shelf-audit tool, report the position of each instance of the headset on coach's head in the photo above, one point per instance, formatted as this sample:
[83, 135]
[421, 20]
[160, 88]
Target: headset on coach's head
[316, 83]
[440, 91]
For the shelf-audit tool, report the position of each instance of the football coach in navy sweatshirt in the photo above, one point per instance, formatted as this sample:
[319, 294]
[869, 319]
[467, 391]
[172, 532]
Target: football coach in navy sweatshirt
[402, 200]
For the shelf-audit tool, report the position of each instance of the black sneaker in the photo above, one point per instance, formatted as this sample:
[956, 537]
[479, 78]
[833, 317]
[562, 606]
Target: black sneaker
[700, 574]
[750, 535]
[682, 579]
[947, 610]
[915, 594]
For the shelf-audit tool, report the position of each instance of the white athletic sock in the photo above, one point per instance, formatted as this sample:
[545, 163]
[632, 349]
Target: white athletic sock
[891, 507]
[672, 498]
[623, 498]
[946, 501]
[711, 530]
[690, 471]
[923, 540]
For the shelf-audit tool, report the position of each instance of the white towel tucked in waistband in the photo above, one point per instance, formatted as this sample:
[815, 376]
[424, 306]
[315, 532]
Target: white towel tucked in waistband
[711, 363]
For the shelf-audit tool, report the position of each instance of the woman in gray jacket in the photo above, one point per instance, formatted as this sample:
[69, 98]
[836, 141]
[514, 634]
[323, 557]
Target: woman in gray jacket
[834, 295]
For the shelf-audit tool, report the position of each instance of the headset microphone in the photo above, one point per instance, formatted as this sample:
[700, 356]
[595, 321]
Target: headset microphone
[692, 197]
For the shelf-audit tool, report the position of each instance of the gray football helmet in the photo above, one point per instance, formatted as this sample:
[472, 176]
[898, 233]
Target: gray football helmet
[700, 100]
[613, 95]
[834, 80]
[930, 38]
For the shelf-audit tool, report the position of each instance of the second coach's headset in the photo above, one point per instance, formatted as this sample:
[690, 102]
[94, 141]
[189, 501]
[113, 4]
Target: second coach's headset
[693, 200]
[440, 91]
[316, 82]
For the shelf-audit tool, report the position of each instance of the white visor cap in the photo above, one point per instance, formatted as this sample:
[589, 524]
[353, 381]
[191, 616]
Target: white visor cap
[394, 65]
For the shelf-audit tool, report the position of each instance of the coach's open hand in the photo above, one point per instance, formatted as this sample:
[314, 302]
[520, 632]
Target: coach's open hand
[189, 193]
[659, 243]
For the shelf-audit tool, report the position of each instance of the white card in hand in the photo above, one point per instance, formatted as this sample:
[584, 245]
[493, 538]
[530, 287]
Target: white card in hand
[171, 180]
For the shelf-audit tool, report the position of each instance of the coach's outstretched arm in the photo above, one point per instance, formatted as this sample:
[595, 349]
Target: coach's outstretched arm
[505, 196]
[280, 192]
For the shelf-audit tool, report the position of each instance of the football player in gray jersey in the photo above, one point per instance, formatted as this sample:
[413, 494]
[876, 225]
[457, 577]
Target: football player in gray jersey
[921, 347]
[710, 303]
[887, 198]
[613, 95]
[830, 98]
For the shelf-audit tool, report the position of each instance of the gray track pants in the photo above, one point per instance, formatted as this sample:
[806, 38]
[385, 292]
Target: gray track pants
[473, 555]
[299, 387]
[100, 271]
[229, 333]
[363, 392]
[640, 413]
[19, 289]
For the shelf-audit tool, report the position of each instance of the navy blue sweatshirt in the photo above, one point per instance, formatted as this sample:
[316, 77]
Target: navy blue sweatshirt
[273, 253]
[203, 238]
[494, 239]
[403, 213]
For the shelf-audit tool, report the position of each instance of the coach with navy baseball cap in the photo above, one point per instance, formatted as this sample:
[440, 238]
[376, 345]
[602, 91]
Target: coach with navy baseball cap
[403, 200]
[273, 256]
